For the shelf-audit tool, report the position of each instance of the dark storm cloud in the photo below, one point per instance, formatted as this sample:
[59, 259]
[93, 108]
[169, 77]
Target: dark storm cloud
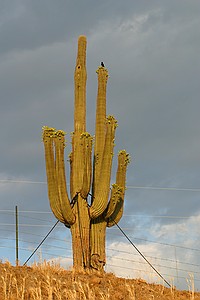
[28, 24]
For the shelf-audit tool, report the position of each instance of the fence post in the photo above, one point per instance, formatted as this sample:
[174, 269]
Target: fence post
[16, 235]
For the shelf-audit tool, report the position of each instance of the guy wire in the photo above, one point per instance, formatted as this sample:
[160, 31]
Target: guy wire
[143, 255]
[41, 243]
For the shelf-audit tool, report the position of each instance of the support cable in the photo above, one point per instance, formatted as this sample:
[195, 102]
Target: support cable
[41, 242]
[143, 255]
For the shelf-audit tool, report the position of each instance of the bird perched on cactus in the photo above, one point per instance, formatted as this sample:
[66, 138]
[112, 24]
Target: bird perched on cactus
[88, 176]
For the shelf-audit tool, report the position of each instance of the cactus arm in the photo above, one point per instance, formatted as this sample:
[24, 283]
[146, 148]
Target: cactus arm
[100, 130]
[87, 176]
[50, 171]
[123, 161]
[115, 207]
[103, 188]
[77, 158]
[72, 189]
[115, 196]
[77, 165]
[80, 77]
[66, 209]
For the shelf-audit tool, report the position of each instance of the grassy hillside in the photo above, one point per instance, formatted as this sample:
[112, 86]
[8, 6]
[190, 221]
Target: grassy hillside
[50, 282]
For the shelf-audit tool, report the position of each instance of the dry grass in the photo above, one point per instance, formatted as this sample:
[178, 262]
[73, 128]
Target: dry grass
[51, 282]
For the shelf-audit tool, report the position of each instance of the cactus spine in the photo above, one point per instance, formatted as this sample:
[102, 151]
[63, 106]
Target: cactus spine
[87, 222]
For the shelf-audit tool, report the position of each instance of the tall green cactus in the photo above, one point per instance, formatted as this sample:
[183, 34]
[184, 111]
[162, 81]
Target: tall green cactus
[86, 220]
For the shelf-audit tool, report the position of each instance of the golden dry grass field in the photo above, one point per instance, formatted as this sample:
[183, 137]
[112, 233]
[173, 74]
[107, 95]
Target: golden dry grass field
[51, 282]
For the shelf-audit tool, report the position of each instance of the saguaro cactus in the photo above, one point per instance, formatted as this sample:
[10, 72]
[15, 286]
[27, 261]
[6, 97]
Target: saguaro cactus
[87, 220]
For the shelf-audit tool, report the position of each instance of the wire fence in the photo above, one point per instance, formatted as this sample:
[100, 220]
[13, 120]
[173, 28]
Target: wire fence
[175, 261]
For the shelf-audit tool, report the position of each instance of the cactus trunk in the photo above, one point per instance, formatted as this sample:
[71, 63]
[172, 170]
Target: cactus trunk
[86, 220]
[80, 231]
[97, 243]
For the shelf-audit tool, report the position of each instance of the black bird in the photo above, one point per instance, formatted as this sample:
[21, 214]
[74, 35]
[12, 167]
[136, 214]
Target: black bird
[102, 64]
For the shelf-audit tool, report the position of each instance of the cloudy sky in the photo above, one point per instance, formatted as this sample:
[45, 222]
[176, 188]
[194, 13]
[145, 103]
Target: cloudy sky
[151, 49]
